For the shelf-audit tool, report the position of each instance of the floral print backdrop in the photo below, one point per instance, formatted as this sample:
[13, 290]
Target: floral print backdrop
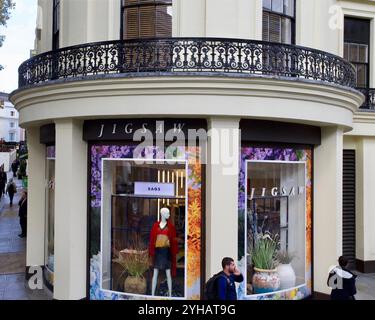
[276, 154]
[194, 181]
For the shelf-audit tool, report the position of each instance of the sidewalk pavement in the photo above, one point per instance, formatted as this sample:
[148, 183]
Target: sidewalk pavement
[365, 286]
[13, 254]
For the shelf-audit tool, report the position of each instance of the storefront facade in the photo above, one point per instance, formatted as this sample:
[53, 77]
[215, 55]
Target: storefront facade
[239, 150]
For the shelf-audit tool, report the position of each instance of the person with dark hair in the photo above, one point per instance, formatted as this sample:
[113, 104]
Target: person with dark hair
[342, 281]
[226, 288]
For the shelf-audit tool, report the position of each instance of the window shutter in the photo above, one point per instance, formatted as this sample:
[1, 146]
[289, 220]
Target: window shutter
[147, 22]
[131, 23]
[265, 35]
[274, 28]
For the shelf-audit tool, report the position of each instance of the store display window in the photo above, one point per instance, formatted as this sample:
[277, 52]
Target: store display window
[145, 224]
[275, 223]
[50, 216]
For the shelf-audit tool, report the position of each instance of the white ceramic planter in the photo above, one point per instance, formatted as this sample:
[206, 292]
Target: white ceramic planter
[287, 276]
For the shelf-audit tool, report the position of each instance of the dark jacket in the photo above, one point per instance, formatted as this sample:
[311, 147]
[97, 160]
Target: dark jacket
[23, 208]
[226, 286]
[14, 166]
[3, 178]
[342, 282]
[11, 188]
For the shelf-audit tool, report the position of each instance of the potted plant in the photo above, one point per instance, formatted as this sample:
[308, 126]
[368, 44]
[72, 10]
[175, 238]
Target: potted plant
[285, 270]
[265, 278]
[135, 262]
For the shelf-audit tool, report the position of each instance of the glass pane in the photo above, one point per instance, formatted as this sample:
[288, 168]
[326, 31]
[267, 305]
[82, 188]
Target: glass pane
[267, 4]
[289, 7]
[361, 75]
[164, 21]
[276, 200]
[265, 32]
[50, 219]
[353, 51]
[363, 53]
[278, 6]
[274, 28]
[136, 227]
[286, 31]
[346, 51]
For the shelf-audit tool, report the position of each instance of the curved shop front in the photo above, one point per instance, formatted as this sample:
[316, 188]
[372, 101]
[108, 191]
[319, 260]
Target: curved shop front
[275, 208]
[129, 183]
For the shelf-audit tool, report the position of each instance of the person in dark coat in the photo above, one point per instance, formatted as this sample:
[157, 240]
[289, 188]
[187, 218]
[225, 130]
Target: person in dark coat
[14, 168]
[11, 190]
[226, 281]
[3, 181]
[23, 214]
[342, 281]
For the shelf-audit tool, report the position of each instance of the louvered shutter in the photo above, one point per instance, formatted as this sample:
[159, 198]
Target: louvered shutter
[348, 223]
[147, 22]
[131, 23]
[265, 35]
[274, 28]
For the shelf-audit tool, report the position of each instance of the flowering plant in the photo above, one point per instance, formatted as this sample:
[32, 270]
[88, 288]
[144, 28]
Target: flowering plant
[264, 251]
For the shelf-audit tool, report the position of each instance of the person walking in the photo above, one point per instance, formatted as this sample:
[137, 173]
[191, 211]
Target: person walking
[14, 168]
[23, 214]
[11, 189]
[342, 281]
[3, 181]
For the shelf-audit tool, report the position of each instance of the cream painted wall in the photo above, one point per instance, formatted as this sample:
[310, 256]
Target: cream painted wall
[82, 21]
[327, 205]
[36, 199]
[365, 185]
[314, 21]
[218, 18]
[367, 221]
[45, 24]
[296, 101]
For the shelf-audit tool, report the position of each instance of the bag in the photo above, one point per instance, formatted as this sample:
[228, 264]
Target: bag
[210, 288]
[12, 188]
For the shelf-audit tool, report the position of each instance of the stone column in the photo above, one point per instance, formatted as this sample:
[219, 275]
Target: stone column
[70, 211]
[222, 192]
[328, 158]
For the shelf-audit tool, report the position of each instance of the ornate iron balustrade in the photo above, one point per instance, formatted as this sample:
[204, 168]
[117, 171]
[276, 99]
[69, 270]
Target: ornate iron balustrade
[187, 55]
[369, 103]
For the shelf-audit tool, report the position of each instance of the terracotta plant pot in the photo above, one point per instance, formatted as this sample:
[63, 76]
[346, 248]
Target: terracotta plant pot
[265, 281]
[136, 285]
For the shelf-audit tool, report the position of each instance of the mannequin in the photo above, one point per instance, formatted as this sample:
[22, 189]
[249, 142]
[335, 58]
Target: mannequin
[163, 249]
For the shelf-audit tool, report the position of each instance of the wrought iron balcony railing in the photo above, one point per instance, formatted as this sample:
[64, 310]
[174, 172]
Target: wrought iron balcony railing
[369, 103]
[186, 55]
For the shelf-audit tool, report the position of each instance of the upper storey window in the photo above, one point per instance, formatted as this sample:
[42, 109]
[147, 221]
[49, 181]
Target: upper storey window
[146, 19]
[357, 48]
[279, 21]
[56, 25]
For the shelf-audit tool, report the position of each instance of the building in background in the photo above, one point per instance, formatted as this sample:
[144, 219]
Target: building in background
[283, 89]
[9, 124]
